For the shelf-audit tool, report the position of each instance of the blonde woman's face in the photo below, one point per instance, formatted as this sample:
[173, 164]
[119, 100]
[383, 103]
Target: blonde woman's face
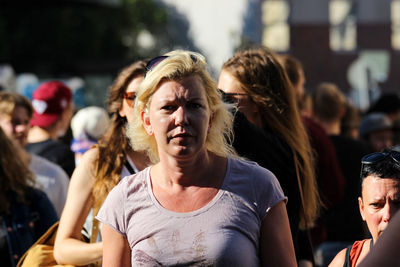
[234, 92]
[127, 104]
[179, 118]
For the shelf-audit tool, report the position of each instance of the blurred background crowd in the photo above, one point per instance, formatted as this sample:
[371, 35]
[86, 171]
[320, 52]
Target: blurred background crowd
[341, 56]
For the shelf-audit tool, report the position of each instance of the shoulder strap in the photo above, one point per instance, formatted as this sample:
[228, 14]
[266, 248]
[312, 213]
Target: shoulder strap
[347, 262]
[129, 167]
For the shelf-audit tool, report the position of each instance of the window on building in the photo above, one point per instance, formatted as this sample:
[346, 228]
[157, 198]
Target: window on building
[395, 14]
[276, 34]
[343, 30]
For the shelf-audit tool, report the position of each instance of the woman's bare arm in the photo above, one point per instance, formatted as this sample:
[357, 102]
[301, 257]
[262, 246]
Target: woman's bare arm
[116, 250]
[69, 249]
[276, 240]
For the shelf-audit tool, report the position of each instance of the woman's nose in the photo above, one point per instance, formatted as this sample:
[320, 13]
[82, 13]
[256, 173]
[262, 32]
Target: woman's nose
[388, 211]
[21, 128]
[181, 116]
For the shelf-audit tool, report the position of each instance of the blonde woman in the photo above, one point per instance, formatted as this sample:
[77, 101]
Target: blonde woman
[199, 204]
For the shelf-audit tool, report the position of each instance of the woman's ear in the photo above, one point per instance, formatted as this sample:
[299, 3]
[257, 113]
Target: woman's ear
[146, 122]
[362, 207]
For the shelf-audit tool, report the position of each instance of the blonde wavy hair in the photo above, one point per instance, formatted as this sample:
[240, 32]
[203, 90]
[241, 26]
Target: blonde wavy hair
[263, 78]
[177, 65]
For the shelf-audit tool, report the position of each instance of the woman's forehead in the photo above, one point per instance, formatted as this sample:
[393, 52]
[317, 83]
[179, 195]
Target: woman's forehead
[188, 87]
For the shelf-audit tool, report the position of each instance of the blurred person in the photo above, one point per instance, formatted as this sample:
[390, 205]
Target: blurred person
[306, 106]
[268, 130]
[396, 133]
[53, 110]
[99, 170]
[342, 222]
[376, 129]
[198, 204]
[330, 179]
[350, 121]
[15, 116]
[388, 103]
[379, 201]
[295, 72]
[88, 125]
[25, 213]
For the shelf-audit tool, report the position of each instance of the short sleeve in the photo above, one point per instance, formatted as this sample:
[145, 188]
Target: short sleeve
[112, 212]
[268, 191]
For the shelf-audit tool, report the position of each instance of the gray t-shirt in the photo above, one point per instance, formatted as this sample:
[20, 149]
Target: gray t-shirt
[225, 232]
[51, 179]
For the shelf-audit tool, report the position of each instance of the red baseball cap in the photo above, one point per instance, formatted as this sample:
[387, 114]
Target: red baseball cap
[49, 100]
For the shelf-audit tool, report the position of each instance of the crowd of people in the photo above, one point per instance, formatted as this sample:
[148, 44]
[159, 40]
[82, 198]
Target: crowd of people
[183, 170]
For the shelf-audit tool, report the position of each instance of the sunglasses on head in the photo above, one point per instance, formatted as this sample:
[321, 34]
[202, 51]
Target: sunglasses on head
[230, 97]
[379, 156]
[157, 60]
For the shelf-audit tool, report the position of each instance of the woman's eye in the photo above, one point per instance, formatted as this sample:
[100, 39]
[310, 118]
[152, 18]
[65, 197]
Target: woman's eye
[194, 105]
[375, 205]
[168, 107]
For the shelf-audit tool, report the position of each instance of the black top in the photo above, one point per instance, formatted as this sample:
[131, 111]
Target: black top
[56, 152]
[271, 152]
[343, 221]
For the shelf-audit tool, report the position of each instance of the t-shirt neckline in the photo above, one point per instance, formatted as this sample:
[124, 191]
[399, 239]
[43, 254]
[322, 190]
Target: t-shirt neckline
[190, 213]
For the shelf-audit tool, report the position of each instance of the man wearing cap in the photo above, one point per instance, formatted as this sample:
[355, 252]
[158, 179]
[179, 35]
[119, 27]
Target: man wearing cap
[53, 110]
[15, 115]
[376, 130]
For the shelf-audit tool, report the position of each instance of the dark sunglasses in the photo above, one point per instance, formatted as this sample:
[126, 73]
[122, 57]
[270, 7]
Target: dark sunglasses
[379, 156]
[129, 97]
[230, 97]
[154, 62]
[157, 60]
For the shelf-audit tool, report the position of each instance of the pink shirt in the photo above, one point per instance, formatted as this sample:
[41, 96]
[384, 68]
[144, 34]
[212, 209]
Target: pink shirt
[225, 232]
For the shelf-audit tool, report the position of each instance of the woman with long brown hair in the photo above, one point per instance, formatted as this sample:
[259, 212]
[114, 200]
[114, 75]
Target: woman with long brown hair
[269, 131]
[25, 213]
[99, 170]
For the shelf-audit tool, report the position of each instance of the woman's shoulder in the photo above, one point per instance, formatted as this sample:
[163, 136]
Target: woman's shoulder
[249, 172]
[250, 168]
[339, 259]
[90, 155]
[134, 182]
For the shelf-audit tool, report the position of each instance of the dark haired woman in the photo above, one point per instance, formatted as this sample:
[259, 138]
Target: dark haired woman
[25, 213]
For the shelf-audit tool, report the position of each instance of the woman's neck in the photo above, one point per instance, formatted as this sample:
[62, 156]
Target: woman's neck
[172, 172]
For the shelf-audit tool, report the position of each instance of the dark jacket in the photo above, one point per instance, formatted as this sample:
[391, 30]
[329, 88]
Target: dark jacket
[26, 223]
[56, 152]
